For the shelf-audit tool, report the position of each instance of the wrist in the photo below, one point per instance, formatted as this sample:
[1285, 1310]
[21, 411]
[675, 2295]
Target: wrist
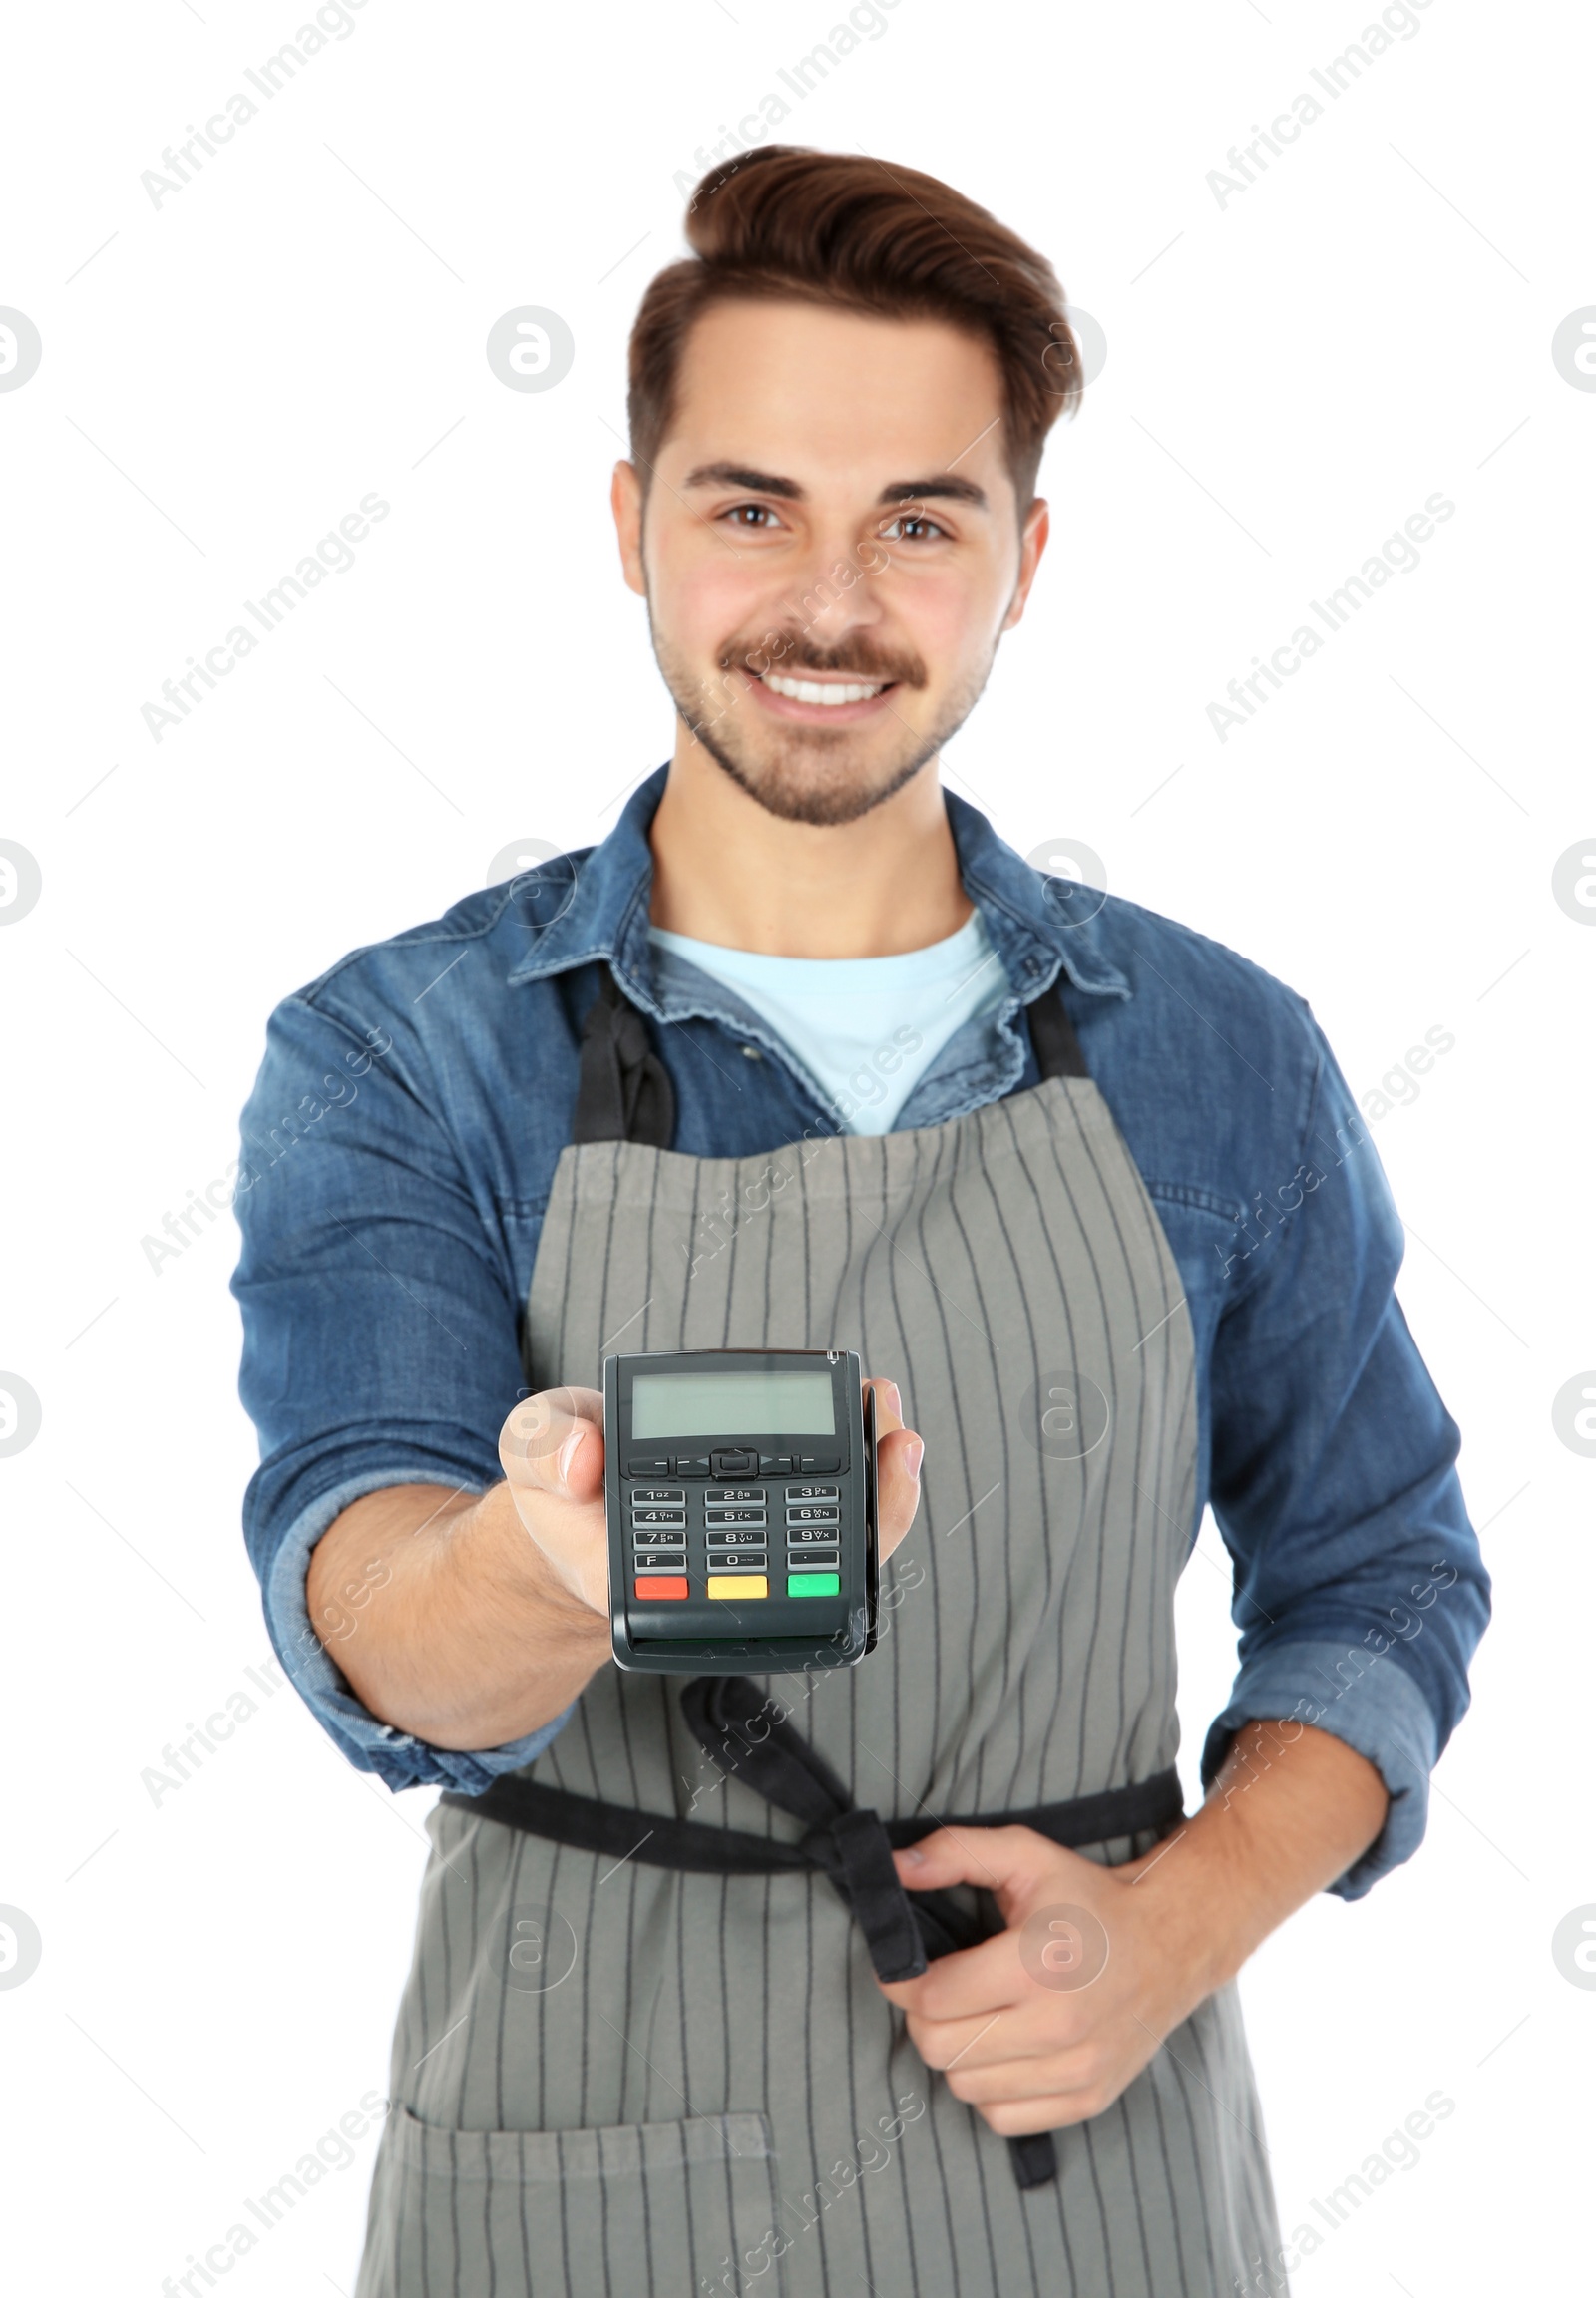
[1197, 1906]
[495, 1548]
[532, 1643]
[1289, 1810]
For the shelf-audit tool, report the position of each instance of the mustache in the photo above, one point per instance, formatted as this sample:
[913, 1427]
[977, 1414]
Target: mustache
[855, 657]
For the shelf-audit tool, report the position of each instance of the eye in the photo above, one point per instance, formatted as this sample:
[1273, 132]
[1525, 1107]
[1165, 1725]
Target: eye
[753, 517]
[897, 529]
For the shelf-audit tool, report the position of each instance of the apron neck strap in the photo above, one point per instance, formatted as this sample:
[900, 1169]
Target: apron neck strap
[1052, 1035]
[624, 1092]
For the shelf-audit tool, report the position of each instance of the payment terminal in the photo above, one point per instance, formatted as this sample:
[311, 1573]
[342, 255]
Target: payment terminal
[740, 1486]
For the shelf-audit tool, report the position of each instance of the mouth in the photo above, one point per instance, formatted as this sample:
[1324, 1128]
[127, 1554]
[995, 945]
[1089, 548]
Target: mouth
[823, 698]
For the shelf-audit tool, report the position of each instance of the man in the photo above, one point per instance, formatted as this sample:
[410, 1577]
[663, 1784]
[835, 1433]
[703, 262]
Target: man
[803, 1055]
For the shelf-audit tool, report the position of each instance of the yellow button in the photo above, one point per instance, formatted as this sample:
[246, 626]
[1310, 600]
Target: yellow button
[735, 1584]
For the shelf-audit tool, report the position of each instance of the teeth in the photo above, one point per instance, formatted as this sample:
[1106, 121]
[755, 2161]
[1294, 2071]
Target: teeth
[806, 690]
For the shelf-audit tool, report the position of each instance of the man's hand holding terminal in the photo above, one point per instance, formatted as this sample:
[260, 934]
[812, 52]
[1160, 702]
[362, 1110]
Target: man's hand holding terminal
[472, 1622]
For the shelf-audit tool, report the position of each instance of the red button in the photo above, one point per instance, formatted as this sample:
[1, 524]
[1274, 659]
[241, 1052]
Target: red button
[661, 1584]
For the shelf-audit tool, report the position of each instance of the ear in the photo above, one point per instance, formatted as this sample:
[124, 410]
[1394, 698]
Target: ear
[1032, 543]
[626, 501]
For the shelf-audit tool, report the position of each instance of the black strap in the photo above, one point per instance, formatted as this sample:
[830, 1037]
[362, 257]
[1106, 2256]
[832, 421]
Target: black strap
[624, 1091]
[1035, 2160]
[618, 1831]
[851, 1846]
[1052, 1035]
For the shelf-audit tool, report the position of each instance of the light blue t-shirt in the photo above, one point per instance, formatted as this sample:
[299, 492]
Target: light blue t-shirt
[866, 1028]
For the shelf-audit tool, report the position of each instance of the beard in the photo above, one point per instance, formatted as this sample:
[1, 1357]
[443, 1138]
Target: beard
[816, 774]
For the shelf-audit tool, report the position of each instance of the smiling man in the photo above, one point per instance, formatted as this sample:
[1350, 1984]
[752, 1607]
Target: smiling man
[909, 1975]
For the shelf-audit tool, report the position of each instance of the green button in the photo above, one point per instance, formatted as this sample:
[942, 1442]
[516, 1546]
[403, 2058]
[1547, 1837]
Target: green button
[812, 1583]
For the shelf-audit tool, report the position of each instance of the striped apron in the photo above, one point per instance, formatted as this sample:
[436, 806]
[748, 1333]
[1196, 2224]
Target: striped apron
[615, 2077]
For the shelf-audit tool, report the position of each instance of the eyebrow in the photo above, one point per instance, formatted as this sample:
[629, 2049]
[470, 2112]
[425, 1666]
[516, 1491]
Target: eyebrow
[944, 486]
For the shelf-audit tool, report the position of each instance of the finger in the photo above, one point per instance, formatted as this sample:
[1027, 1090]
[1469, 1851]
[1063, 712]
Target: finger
[1002, 2037]
[1000, 1859]
[553, 1442]
[1056, 2074]
[888, 1404]
[899, 1452]
[974, 1984]
[1023, 2118]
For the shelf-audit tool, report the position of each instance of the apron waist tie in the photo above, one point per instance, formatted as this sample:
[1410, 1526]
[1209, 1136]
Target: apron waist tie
[850, 1845]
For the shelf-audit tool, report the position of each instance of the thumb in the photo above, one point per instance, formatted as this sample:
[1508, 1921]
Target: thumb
[553, 1444]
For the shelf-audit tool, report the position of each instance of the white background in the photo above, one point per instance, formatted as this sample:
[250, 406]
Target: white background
[1288, 378]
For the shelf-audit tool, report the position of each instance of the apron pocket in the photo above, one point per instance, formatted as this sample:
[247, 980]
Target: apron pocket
[634, 2207]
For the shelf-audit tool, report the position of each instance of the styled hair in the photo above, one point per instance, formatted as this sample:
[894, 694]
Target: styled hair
[843, 229]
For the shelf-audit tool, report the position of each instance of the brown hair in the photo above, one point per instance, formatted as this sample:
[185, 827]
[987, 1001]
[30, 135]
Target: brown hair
[839, 229]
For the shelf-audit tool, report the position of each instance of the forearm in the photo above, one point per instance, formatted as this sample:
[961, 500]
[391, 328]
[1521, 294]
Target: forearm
[1291, 1810]
[447, 1619]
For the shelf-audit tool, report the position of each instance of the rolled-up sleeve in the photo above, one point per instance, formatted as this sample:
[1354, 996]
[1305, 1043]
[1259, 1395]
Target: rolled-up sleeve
[379, 1333]
[1360, 1590]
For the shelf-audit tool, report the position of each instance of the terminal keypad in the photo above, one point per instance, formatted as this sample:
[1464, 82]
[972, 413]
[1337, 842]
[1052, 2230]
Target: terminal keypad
[714, 1532]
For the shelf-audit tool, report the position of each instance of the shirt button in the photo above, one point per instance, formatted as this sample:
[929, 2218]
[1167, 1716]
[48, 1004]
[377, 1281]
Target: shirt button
[752, 1053]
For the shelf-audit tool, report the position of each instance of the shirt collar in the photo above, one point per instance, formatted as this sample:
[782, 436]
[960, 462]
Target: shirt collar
[1037, 925]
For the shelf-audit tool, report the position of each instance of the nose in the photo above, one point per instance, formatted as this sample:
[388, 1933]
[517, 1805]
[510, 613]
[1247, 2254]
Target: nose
[834, 593]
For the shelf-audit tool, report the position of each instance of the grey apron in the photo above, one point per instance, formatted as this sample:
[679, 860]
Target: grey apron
[614, 2076]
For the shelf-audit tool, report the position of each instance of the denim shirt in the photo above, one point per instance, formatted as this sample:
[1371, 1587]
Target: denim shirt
[401, 1140]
